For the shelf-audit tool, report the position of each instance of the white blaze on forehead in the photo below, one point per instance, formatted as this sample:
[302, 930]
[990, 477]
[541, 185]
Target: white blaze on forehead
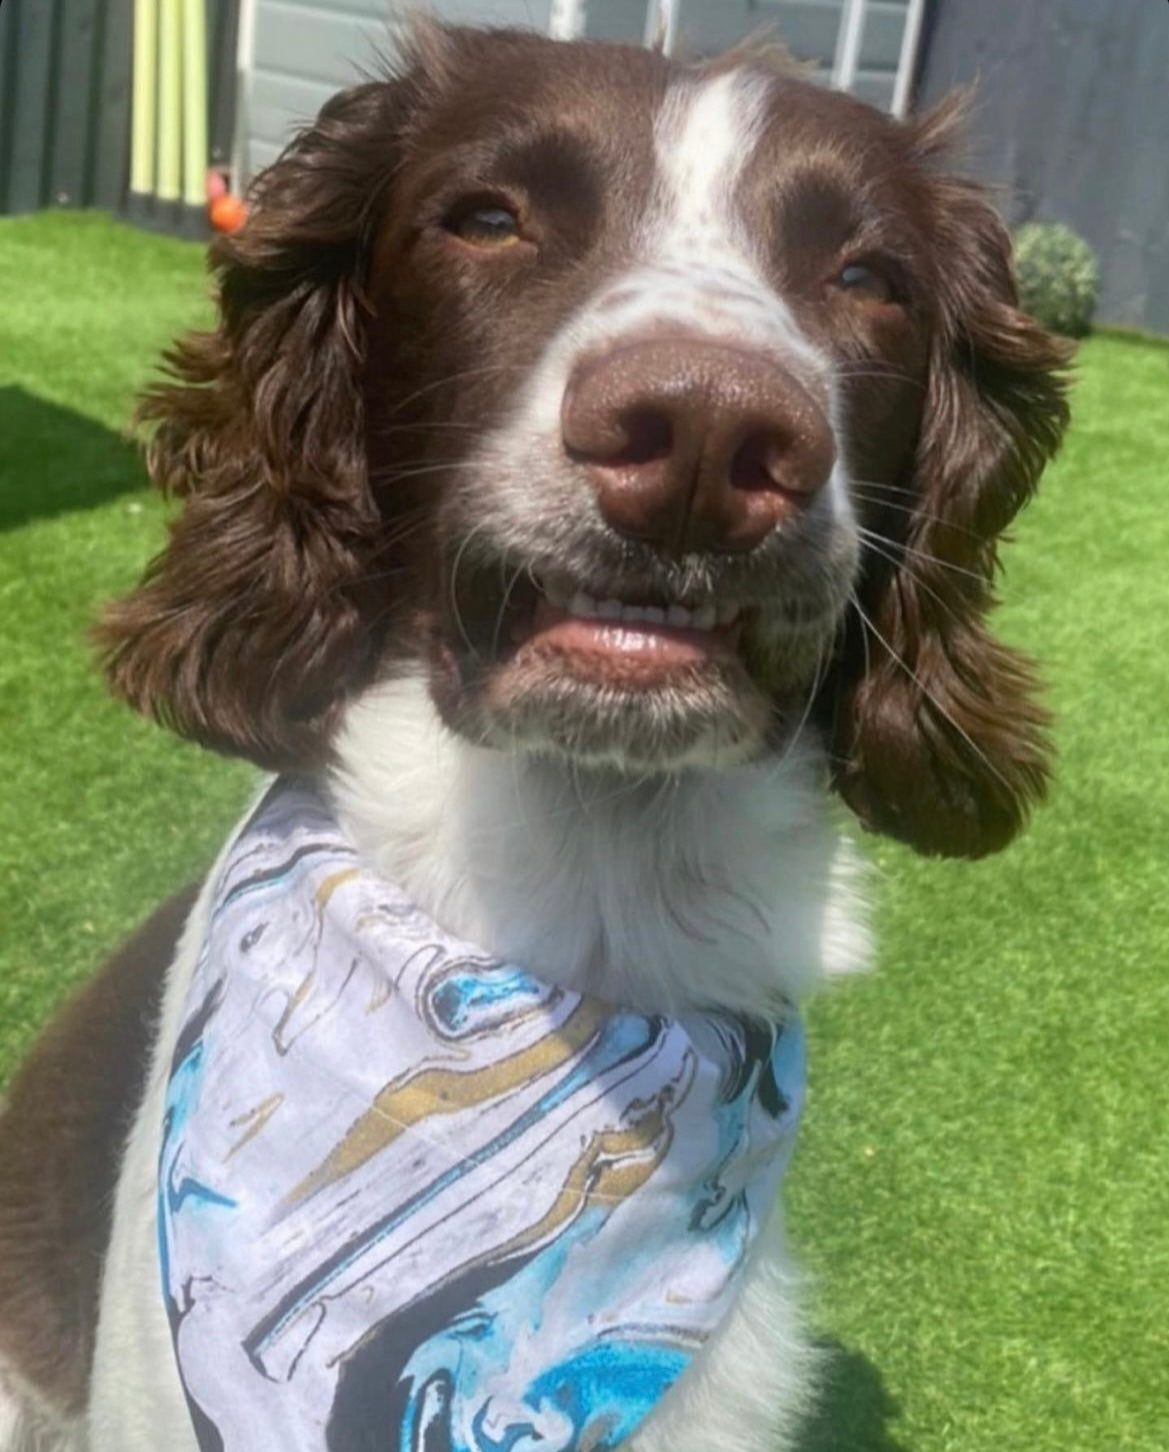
[697, 266]
[704, 137]
[697, 269]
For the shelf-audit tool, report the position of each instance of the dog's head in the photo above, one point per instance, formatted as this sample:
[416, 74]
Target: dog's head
[657, 412]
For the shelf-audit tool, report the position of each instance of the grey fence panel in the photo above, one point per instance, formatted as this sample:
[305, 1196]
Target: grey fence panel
[534, 14]
[881, 42]
[1072, 126]
[315, 44]
[875, 87]
[262, 154]
[222, 29]
[64, 102]
[808, 29]
[113, 99]
[305, 47]
[280, 105]
[79, 45]
[305, 50]
[28, 136]
[66, 70]
[616, 20]
[377, 10]
[8, 54]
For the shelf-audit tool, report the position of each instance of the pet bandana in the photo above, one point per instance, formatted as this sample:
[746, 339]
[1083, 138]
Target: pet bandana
[412, 1199]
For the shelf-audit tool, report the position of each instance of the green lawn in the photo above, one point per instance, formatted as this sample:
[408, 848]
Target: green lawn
[982, 1189]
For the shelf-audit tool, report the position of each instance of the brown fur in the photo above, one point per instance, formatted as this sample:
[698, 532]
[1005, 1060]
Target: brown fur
[69, 1110]
[294, 565]
[939, 737]
[307, 436]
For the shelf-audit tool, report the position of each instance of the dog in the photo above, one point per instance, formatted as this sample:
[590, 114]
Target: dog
[594, 474]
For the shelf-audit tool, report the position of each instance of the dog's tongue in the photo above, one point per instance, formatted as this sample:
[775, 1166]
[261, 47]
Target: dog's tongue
[664, 644]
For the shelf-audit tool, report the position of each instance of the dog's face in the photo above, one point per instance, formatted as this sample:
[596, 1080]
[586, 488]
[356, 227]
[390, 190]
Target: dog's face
[621, 330]
[657, 411]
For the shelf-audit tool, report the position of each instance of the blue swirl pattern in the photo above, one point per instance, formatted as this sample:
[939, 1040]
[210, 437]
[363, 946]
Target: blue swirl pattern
[413, 1199]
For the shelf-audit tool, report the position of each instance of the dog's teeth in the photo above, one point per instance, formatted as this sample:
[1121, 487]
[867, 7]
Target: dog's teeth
[681, 616]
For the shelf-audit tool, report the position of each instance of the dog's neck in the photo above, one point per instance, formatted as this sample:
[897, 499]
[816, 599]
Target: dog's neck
[726, 889]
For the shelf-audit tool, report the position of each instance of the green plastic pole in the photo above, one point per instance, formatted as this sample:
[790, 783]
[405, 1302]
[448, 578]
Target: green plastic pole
[194, 102]
[170, 101]
[142, 137]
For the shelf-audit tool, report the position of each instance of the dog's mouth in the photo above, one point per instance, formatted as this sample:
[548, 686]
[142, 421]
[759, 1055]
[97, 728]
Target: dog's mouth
[652, 668]
[636, 637]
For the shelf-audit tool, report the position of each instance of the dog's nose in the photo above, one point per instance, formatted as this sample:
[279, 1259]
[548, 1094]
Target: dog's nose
[696, 445]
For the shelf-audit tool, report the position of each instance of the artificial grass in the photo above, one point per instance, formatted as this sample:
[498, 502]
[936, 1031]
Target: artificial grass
[983, 1187]
[981, 1190]
[101, 814]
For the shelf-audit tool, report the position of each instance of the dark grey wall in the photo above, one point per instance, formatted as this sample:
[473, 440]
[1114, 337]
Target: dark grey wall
[65, 94]
[64, 102]
[1073, 123]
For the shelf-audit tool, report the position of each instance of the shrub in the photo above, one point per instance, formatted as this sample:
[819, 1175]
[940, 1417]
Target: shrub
[1058, 275]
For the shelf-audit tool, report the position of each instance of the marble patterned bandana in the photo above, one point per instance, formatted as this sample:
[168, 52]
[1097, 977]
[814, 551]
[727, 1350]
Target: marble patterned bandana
[413, 1199]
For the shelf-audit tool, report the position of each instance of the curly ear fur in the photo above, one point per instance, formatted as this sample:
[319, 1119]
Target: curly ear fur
[261, 615]
[245, 625]
[939, 739]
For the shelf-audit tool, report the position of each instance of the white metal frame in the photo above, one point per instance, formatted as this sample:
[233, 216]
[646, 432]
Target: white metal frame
[661, 33]
[907, 61]
[245, 57]
[567, 20]
[850, 42]
[849, 39]
[661, 25]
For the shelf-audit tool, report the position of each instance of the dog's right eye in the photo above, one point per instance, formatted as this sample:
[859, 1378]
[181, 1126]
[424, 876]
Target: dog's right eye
[486, 226]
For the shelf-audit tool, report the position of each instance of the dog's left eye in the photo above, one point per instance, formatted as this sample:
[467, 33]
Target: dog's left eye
[865, 280]
[486, 226]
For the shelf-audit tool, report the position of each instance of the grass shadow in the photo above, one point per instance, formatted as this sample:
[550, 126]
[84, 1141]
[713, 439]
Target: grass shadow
[854, 1408]
[53, 460]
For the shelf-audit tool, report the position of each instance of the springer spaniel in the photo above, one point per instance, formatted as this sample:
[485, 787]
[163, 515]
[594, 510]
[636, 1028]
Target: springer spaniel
[597, 464]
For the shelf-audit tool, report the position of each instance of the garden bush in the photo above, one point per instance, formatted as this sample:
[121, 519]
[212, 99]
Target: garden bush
[1058, 276]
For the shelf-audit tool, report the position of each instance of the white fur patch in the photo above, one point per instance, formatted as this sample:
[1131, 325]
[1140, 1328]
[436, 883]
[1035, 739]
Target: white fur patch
[712, 888]
[697, 266]
[703, 138]
[732, 885]
[696, 270]
[136, 1401]
[757, 1380]
[726, 888]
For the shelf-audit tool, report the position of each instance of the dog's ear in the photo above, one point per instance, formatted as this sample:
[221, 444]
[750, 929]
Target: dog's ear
[248, 629]
[939, 739]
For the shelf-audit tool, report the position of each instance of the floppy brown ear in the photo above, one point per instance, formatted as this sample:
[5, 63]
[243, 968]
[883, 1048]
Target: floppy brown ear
[939, 739]
[248, 628]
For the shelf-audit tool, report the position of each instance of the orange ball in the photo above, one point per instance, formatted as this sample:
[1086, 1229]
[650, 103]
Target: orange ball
[228, 213]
